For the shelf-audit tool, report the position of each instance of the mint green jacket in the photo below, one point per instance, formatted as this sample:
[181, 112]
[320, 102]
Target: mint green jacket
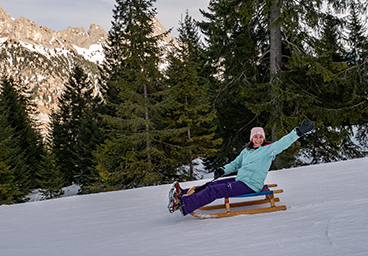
[252, 165]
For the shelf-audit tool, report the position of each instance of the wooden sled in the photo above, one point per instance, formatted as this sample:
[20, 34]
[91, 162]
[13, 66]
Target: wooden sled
[269, 198]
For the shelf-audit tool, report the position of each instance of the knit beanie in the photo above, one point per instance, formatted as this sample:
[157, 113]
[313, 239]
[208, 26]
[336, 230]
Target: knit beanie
[257, 131]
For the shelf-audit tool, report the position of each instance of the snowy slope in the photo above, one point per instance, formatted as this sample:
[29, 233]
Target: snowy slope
[326, 215]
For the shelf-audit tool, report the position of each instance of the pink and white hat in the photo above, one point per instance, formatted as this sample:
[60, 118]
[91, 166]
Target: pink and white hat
[257, 131]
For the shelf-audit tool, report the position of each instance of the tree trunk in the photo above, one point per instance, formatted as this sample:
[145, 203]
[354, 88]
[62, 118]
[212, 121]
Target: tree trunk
[275, 38]
[275, 58]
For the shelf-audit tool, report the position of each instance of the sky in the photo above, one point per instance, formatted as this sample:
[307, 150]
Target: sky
[58, 15]
[326, 215]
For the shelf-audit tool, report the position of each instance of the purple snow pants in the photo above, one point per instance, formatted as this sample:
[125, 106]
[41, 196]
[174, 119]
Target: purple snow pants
[217, 189]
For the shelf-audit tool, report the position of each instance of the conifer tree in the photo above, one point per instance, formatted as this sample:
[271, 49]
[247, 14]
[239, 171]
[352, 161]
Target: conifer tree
[64, 125]
[90, 136]
[238, 58]
[134, 154]
[341, 103]
[51, 180]
[75, 129]
[357, 39]
[113, 60]
[8, 190]
[313, 84]
[30, 138]
[17, 111]
[357, 59]
[192, 114]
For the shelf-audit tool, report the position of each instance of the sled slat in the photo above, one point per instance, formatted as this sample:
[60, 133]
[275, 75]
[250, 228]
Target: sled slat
[239, 204]
[234, 213]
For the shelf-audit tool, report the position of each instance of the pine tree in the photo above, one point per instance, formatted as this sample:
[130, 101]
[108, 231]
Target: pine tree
[8, 189]
[357, 39]
[341, 105]
[51, 179]
[17, 110]
[8, 192]
[313, 84]
[134, 155]
[193, 115]
[238, 59]
[90, 136]
[317, 83]
[31, 138]
[75, 129]
[357, 59]
[113, 60]
[64, 125]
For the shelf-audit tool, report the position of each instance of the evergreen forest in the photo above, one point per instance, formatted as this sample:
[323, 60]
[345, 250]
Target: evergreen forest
[157, 111]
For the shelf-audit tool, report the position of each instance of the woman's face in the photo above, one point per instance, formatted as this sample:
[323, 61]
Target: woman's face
[257, 140]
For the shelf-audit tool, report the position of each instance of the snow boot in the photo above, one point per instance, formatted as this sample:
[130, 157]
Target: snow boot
[175, 195]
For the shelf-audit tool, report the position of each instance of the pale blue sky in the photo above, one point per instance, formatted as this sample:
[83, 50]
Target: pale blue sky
[58, 15]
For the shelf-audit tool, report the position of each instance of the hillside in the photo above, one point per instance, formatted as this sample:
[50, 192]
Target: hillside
[326, 215]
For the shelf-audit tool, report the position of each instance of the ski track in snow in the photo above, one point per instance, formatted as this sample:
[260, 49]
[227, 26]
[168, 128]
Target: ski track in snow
[326, 215]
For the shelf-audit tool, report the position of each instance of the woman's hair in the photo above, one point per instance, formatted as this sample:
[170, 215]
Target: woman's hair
[250, 144]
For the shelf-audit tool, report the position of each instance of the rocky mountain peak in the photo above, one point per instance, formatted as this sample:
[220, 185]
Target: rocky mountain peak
[97, 34]
[24, 30]
[4, 16]
[158, 29]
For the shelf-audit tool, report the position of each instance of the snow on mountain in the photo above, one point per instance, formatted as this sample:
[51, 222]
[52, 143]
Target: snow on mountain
[44, 51]
[94, 53]
[326, 215]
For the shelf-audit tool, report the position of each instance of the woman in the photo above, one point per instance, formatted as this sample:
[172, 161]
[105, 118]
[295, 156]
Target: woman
[252, 165]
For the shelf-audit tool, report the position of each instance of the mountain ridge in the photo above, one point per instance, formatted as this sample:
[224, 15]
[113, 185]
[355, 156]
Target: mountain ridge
[42, 59]
[23, 29]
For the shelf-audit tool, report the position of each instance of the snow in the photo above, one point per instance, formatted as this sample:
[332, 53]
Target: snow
[326, 215]
[44, 51]
[72, 190]
[93, 54]
[3, 39]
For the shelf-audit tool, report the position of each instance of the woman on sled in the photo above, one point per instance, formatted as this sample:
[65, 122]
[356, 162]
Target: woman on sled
[252, 165]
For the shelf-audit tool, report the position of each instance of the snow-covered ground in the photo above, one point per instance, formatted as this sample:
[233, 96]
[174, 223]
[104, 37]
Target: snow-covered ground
[326, 215]
[35, 195]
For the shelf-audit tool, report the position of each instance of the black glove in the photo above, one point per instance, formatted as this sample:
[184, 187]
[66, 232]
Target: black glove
[218, 173]
[304, 128]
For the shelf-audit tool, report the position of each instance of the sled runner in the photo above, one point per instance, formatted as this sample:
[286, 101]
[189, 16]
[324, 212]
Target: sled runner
[269, 198]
